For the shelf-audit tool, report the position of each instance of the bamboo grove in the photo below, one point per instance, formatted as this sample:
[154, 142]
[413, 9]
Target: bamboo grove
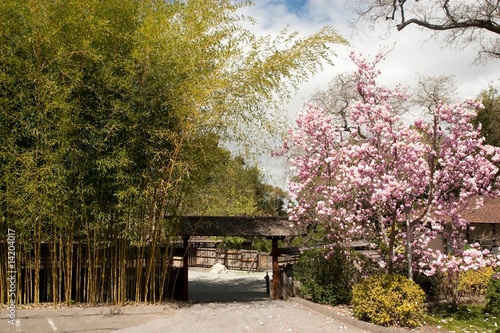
[113, 115]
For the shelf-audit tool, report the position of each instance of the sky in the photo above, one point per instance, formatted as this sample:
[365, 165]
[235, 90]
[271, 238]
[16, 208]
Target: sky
[413, 52]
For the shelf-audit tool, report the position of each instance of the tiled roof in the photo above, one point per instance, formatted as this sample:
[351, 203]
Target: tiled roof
[237, 226]
[488, 213]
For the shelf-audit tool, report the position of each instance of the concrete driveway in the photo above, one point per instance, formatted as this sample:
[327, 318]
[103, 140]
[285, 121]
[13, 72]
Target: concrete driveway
[225, 303]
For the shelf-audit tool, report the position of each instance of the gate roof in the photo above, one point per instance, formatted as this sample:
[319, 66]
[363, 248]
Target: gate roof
[248, 226]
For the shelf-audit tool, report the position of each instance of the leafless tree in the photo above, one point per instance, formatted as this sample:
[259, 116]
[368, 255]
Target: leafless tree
[467, 22]
[337, 98]
[434, 89]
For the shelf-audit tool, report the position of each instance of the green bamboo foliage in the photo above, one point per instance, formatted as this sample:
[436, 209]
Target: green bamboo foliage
[113, 115]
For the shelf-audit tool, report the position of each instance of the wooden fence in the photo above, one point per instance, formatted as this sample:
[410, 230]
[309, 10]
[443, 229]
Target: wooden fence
[249, 260]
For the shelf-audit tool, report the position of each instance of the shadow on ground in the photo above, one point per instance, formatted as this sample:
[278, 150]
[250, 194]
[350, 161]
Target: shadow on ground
[205, 287]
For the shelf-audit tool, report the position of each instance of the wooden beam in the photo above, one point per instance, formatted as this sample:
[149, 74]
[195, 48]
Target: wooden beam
[275, 291]
[245, 226]
[185, 269]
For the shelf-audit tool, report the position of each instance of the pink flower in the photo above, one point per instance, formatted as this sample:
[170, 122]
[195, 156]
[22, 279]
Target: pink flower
[358, 186]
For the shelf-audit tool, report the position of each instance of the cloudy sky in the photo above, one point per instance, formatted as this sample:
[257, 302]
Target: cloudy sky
[414, 52]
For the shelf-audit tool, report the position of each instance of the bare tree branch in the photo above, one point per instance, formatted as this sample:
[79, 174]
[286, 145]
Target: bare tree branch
[482, 24]
[467, 22]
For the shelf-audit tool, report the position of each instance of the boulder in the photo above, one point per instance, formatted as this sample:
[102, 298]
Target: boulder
[218, 269]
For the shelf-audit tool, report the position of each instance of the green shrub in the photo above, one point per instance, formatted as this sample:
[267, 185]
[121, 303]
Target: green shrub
[493, 295]
[431, 285]
[329, 279]
[389, 300]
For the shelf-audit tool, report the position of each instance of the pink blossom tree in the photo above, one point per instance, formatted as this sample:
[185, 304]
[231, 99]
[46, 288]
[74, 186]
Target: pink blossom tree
[363, 183]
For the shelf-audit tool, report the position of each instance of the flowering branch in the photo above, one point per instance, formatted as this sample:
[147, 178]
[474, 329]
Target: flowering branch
[357, 186]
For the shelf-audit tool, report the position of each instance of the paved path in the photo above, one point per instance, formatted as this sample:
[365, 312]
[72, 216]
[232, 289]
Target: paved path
[229, 303]
[260, 316]
[255, 316]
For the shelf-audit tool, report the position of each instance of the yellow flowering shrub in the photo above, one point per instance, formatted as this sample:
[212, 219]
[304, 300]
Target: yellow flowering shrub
[473, 283]
[389, 300]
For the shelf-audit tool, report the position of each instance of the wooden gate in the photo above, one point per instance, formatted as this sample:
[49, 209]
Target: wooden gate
[248, 260]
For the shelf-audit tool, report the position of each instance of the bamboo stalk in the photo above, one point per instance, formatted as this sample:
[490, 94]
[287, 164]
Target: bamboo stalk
[3, 275]
[114, 265]
[27, 276]
[100, 283]
[78, 270]
[69, 264]
[120, 281]
[37, 248]
[139, 270]
[151, 231]
[89, 276]
[60, 268]
[164, 269]
[53, 271]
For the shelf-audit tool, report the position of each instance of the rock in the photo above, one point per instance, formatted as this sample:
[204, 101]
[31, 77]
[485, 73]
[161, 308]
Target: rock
[218, 269]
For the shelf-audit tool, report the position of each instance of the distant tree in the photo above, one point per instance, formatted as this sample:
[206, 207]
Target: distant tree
[231, 186]
[432, 90]
[273, 201]
[466, 22]
[337, 98]
[489, 116]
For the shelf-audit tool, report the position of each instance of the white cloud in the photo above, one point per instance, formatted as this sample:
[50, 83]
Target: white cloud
[414, 51]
